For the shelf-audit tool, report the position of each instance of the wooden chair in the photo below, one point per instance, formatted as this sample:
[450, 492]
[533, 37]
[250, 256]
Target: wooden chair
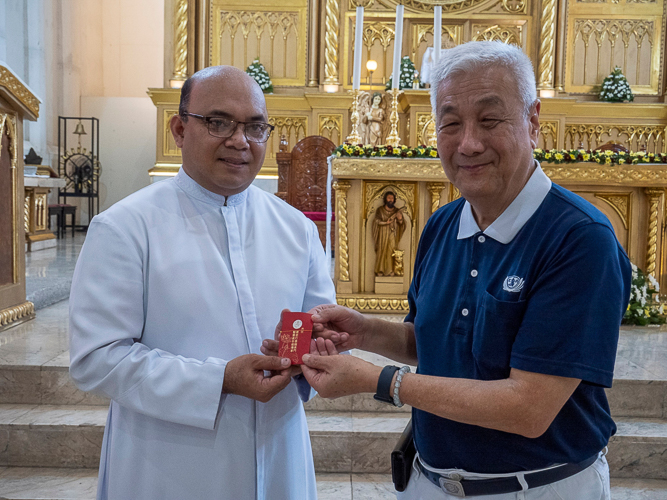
[302, 178]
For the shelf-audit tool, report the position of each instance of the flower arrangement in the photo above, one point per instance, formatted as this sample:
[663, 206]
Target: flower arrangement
[408, 74]
[547, 156]
[615, 88]
[368, 151]
[644, 307]
[261, 76]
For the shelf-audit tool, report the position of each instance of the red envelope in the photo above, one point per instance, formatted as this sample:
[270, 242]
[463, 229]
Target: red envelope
[295, 336]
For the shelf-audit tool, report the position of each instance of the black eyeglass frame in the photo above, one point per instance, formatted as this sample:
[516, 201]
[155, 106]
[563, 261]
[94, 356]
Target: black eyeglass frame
[207, 120]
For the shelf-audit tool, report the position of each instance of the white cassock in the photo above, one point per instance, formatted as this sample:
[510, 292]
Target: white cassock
[170, 285]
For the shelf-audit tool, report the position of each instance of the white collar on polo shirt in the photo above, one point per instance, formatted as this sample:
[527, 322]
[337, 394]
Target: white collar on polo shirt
[510, 222]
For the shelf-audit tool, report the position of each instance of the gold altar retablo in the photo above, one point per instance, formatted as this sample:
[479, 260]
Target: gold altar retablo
[631, 196]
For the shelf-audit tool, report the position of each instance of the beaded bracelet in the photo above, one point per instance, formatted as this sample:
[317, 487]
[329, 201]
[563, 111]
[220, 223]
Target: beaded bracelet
[397, 385]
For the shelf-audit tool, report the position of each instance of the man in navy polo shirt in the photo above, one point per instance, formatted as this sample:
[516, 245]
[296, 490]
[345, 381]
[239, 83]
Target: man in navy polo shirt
[518, 292]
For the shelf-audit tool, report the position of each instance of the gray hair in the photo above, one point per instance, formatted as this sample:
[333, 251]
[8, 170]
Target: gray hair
[472, 56]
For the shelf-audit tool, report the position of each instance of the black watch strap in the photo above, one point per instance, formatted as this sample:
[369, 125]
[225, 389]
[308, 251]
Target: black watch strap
[383, 391]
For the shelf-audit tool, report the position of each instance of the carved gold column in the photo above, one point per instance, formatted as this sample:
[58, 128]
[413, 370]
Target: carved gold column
[313, 46]
[547, 45]
[435, 188]
[341, 188]
[180, 41]
[331, 42]
[654, 198]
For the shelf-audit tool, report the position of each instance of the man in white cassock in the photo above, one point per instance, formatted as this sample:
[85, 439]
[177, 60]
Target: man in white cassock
[174, 290]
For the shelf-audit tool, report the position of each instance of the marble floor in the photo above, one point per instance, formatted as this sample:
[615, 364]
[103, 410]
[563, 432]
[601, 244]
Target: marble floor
[49, 271]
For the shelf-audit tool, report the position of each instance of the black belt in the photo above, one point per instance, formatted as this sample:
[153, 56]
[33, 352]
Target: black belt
[455, 485]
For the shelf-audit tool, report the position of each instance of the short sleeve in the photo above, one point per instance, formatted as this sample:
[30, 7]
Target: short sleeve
[571, 324]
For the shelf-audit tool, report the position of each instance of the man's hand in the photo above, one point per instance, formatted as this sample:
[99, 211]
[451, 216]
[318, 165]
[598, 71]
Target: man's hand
[336, 376]
[344, 327]
[244, 376]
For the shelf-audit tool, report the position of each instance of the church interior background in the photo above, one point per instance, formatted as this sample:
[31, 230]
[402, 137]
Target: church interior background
[123, 62]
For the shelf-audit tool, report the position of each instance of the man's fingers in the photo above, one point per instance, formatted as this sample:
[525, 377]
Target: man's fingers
[329, 312]
[314, 361]
[270, 345]
[270, 363]
[330, 347]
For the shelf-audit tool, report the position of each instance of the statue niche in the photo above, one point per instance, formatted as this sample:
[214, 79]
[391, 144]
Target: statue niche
[374, 123]
[388, 229]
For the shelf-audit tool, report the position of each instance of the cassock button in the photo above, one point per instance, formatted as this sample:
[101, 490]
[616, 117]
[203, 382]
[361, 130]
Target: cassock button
[465, 312]
[474, 273]
[481, 239]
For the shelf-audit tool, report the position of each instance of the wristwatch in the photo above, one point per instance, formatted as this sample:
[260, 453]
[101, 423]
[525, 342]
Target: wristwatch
[383, 392]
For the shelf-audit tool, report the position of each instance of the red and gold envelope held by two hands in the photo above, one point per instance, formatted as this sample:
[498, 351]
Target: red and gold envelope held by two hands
[295, 336]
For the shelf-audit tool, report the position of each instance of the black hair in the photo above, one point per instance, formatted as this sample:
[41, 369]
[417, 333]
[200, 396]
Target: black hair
[384, 198]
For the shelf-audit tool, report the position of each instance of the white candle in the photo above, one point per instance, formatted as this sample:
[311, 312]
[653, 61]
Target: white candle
[398, 41]
[437, 31]
[358, 42]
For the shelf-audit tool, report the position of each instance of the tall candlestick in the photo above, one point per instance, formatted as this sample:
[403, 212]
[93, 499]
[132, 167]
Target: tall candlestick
[398, 42]
[437, 31]
[358, 42]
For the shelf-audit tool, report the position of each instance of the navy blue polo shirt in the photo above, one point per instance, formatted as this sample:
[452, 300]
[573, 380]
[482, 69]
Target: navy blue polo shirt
[542, 289]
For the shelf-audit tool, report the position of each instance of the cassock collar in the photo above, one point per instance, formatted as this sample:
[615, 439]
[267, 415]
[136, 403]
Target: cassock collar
[190, 186]
[515, 216]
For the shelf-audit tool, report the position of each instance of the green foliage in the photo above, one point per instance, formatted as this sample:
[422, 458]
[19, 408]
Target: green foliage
[615, 88]
[408, 73]
[261, 76]
[644, 307]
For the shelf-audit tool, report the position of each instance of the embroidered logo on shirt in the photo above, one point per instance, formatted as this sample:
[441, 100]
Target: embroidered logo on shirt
[513, 284]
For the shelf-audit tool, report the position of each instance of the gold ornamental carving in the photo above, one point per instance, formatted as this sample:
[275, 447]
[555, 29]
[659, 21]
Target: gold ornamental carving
[26, 211]
[627, 175]
[620, 203]
[181, 41]
[16, 313]
[435, 189]
[376, 190]
[8, 126]
[447, 5]
[331, 127]
[169, 147]
[341, 188]
[331, 42]
[454, 193]
[374, 303]
[14, 85]
[651, 137]
[654, 198]
[547, 45]
[450, 36]
[514, 6]
[426, 129]
[393, 139]
[548, 135]
[505, 34]
[631, 33]
[388, 169]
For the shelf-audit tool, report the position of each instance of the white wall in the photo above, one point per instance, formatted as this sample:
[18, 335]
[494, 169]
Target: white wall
[91, 58]
[127, 144]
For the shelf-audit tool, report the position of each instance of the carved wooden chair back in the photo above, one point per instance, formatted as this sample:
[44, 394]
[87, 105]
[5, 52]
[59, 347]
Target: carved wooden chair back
[307, 183]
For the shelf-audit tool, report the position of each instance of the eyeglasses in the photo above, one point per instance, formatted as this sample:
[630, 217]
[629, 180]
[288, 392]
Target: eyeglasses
[224, 128]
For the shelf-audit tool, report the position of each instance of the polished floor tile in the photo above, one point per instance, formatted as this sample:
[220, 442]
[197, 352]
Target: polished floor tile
[49, 271]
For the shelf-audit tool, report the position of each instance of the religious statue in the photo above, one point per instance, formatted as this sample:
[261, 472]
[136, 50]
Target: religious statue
[388, 227]
[373, 119]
